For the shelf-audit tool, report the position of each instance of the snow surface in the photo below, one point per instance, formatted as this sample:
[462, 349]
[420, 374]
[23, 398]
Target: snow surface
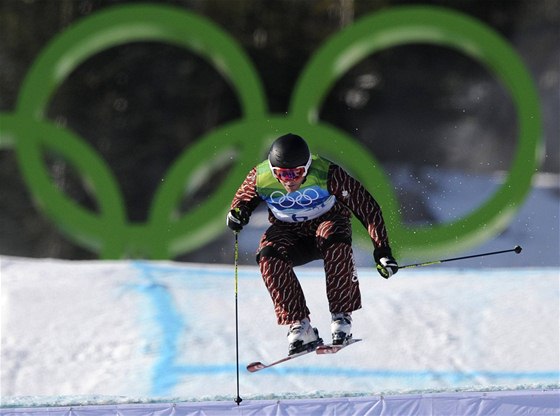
[97, 332]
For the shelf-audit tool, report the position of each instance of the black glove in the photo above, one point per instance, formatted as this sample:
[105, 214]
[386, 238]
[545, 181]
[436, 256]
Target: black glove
[386, 264]
[236, 219]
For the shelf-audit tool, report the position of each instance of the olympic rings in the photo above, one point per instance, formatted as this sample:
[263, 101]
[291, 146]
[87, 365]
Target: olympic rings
[165, 234]
[303, 199]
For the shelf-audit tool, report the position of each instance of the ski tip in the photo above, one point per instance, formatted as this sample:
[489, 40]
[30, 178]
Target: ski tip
[256, 366]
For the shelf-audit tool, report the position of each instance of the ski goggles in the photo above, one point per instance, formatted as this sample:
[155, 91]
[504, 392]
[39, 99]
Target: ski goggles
[290, 174]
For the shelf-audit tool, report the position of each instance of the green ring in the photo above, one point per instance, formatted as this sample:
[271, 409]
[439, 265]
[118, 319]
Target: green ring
[427, 24]
[140, 23]
[101, 31]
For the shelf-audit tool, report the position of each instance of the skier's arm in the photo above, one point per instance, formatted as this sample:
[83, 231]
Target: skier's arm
[244, 203]
[356, 197]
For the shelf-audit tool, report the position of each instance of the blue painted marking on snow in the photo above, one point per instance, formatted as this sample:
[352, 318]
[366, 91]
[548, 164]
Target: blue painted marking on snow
[417, 374]
[540, 376]
[166, 373]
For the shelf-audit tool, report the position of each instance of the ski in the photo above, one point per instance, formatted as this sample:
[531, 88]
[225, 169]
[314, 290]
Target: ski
[257, 365]
[319, 349]
[333, 349]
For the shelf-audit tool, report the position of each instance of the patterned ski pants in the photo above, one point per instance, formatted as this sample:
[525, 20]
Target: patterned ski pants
[285, 245]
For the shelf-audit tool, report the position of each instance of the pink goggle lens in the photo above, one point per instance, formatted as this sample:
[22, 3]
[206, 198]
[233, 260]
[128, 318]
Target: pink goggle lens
[289, 174]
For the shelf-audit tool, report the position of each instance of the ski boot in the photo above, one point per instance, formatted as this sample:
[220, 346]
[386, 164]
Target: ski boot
[303, 337]
[341, 328]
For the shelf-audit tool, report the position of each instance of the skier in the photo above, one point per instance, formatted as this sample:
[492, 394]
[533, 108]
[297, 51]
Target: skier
[310, 201]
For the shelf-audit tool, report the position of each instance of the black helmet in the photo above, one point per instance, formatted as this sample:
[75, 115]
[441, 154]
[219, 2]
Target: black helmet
[289, 151]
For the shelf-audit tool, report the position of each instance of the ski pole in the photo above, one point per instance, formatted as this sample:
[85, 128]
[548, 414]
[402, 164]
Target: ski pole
[517, 250]
[235, 262]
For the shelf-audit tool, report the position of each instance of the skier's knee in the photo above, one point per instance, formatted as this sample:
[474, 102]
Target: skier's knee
[336, 238]
[269, 252]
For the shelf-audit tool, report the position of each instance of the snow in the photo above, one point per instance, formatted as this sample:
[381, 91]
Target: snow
[98, 332]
